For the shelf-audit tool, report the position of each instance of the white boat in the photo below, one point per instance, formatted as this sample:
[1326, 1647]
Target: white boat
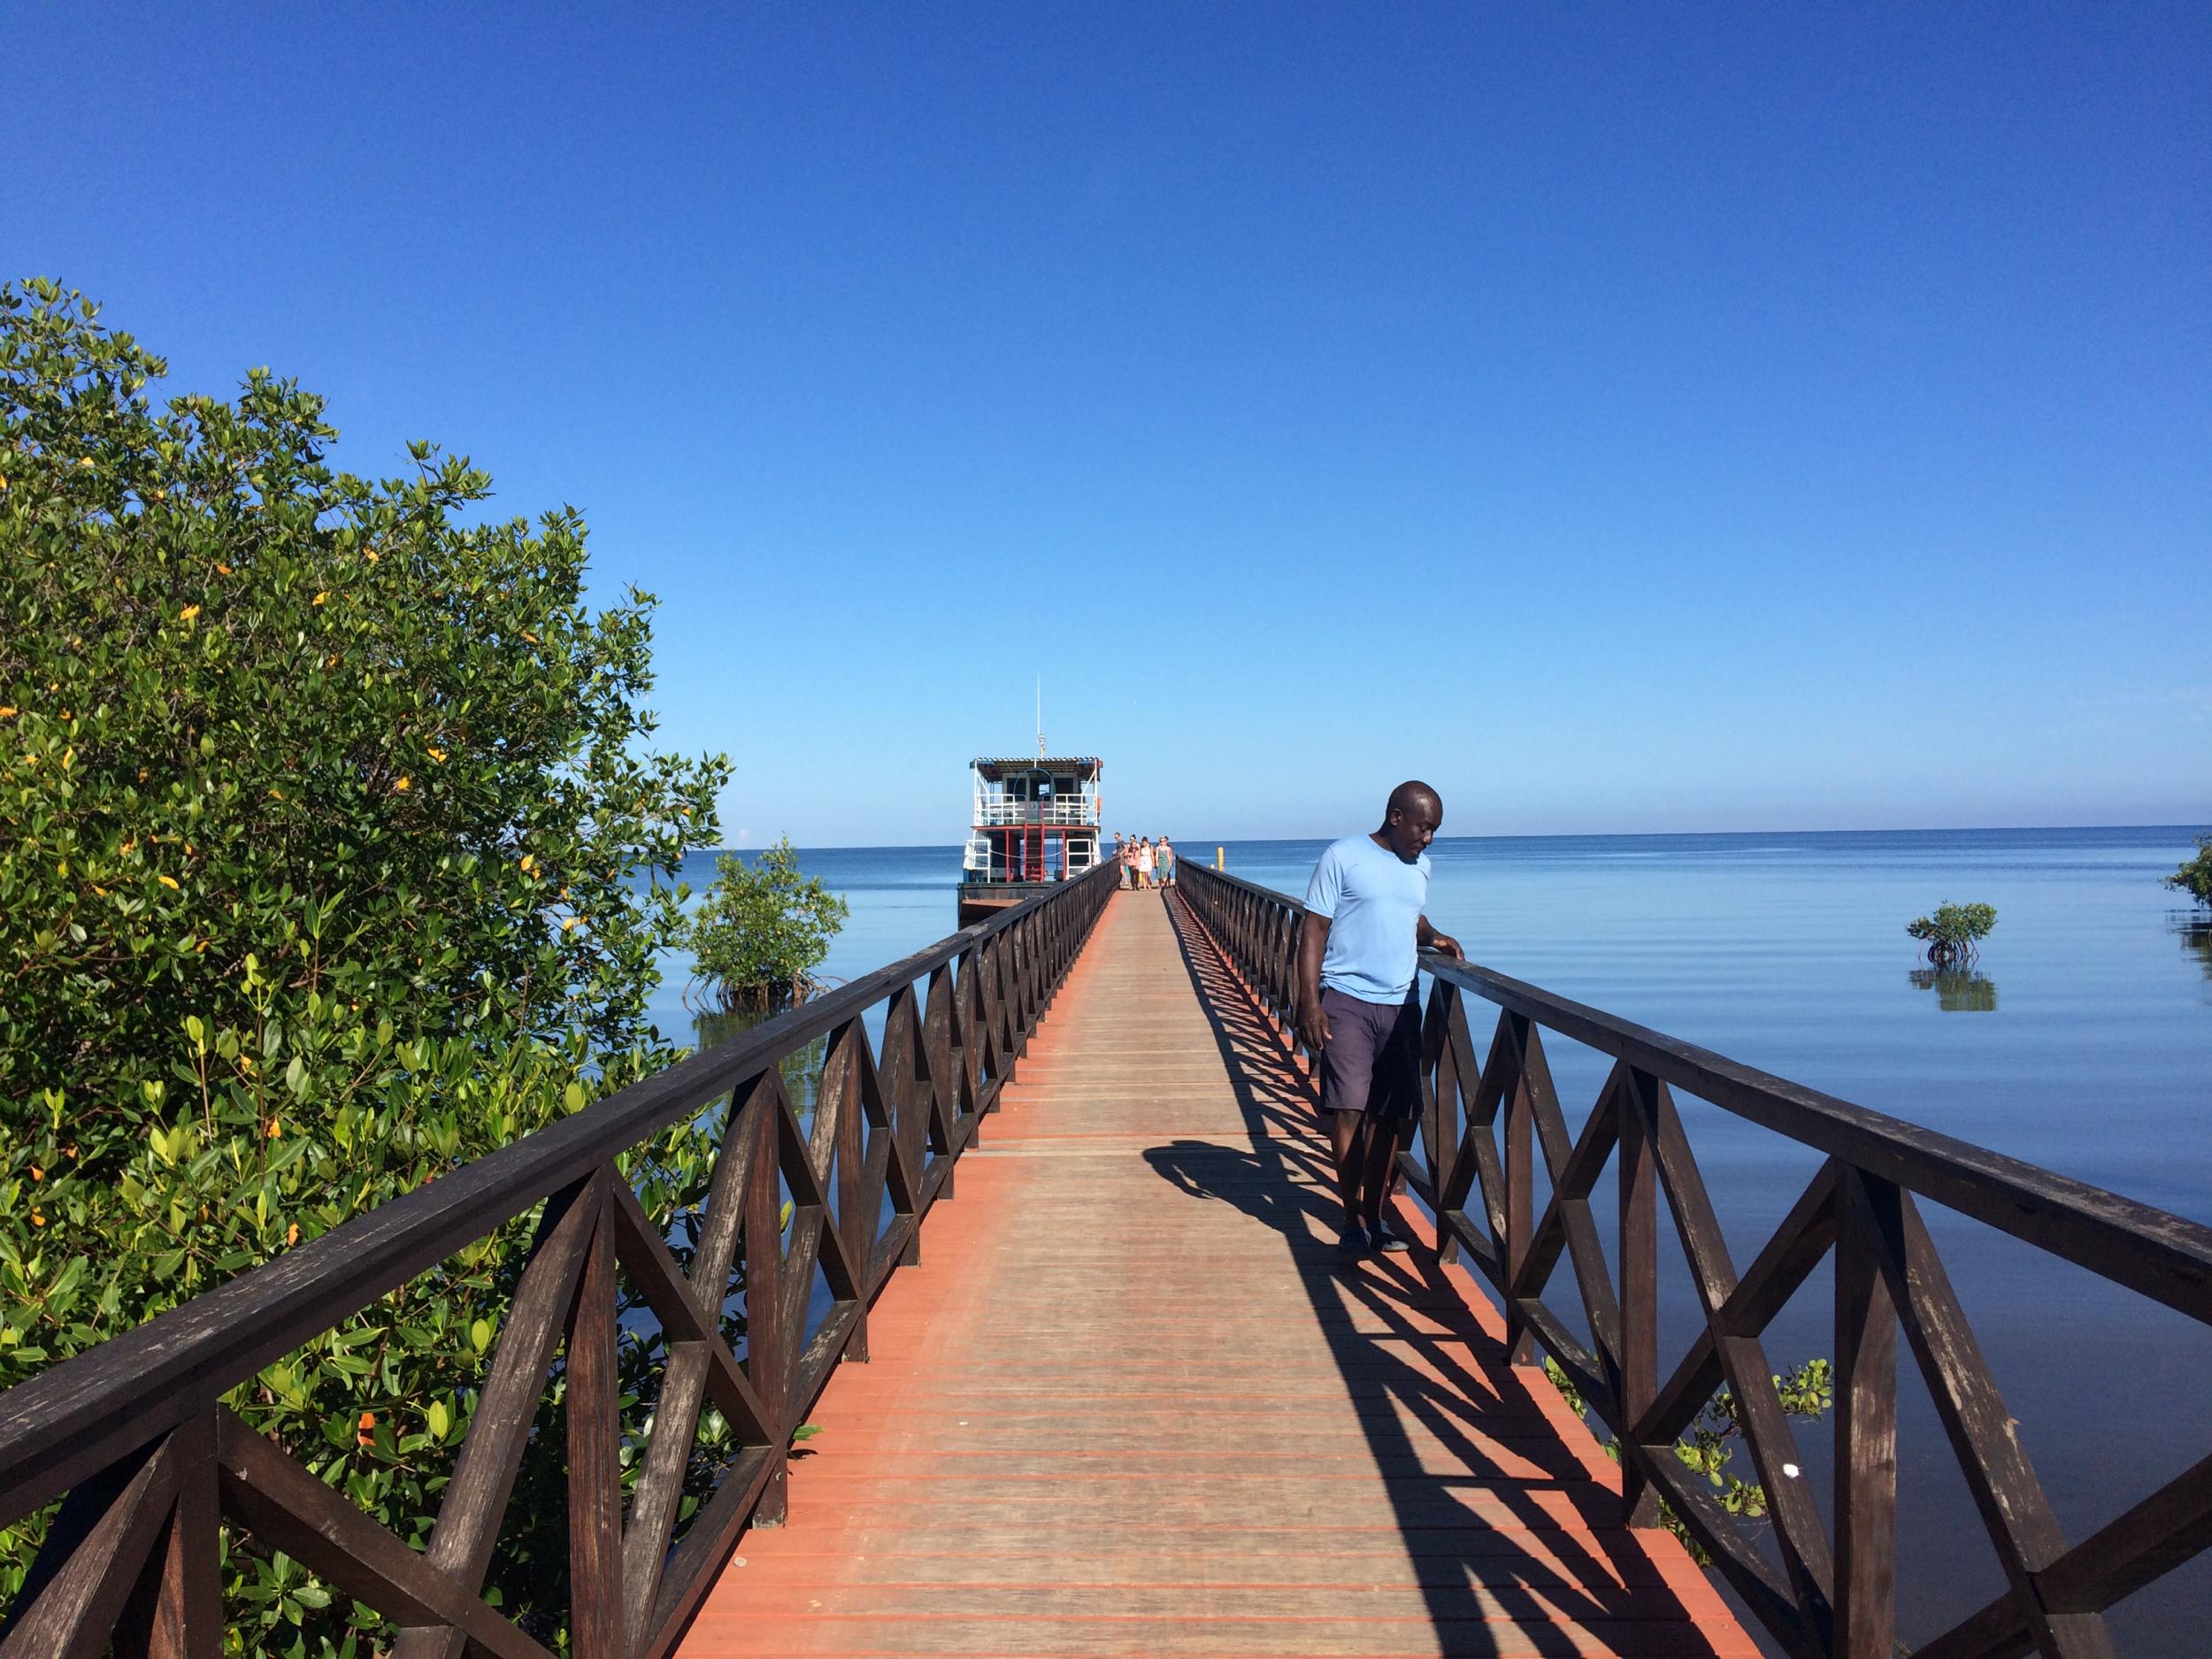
[1034, 822]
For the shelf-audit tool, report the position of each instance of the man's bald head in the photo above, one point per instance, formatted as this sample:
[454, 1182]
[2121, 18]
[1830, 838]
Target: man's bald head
[1411, 817]
[1410, 796]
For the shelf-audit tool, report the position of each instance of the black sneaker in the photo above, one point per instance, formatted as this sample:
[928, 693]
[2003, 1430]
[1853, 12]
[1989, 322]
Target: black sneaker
[1352, 1240]
[1379, 1231]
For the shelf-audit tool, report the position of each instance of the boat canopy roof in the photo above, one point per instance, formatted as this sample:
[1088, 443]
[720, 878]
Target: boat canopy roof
[993, 769]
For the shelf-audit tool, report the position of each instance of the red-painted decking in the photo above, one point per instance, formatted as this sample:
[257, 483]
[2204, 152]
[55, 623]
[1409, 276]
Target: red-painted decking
[1131, 1401]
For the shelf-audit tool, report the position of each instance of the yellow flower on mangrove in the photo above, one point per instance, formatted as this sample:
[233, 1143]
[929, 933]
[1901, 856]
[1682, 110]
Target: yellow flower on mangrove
[436, 753]
[224, 569]
[188, 613]
[372, 555]
[170, 882]
[322, 595]
[7, 712]
[402, 784]
[276, 1130]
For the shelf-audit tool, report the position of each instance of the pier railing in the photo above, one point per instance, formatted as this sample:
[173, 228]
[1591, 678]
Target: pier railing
[150, 1464]
[1828, 1599]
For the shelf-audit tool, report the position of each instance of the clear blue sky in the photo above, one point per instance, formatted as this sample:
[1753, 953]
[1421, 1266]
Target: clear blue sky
[1628, 417]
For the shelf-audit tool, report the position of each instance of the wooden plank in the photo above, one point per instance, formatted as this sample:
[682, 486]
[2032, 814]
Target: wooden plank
[90, 1559]
[1796, 1248]
[1984, 1437]
[175, 1610]
[1767, 1433]
[595, 1623]
[1639, 1227]
[2170, 1527]
[1865, 1434]
[287, 1509]
[484, 1473]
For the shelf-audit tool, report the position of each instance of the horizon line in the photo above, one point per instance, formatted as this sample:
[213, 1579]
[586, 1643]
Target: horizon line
[1913, 829]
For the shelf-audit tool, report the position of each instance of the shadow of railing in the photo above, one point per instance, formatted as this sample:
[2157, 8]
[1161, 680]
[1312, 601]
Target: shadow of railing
[1482, 1482]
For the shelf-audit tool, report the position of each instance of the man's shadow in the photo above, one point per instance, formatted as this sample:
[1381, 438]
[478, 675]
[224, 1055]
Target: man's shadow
[1510, 1532]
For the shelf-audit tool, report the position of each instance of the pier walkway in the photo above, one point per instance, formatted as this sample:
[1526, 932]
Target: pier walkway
[1131, 1402]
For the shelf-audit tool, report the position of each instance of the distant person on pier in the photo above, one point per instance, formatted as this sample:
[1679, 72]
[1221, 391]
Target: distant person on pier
[1358, 957]
[1165, 858]
[1124, 856]
[1144, 863]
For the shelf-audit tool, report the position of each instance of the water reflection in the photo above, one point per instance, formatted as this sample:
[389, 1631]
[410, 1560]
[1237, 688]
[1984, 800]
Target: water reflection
[1958, 990]
[802, 1068]
[2196, 939]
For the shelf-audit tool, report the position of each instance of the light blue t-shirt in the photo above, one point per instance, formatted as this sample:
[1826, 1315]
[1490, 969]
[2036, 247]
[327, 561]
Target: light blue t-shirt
[1373, 900]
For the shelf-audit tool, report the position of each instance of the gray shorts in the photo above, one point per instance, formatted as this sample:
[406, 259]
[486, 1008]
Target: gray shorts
[1372, 1060]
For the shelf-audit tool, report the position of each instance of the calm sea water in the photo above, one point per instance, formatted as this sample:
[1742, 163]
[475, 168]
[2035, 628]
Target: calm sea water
[2082, 1040]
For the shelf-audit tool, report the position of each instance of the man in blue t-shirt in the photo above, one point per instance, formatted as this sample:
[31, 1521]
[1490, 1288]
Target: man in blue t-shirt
[1358, 955]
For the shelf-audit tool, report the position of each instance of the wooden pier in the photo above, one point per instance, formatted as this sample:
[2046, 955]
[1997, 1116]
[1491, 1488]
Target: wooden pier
[1121, 1396]
[1133, 1401]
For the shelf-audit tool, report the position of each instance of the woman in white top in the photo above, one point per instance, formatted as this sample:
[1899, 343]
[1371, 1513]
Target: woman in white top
[1144, 863]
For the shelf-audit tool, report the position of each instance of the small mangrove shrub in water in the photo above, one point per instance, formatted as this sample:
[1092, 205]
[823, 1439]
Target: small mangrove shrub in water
[1808, 1393]
[762, 931]
[1953, 933]
[2194, 877]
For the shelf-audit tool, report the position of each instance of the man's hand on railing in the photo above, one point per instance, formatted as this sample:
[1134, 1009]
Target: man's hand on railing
[1431, 939]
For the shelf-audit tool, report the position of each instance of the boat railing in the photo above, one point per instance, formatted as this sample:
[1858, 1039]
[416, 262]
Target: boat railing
[993, 812]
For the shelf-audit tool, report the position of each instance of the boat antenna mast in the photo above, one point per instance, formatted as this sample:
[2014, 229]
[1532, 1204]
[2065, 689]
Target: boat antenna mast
[1041, 717]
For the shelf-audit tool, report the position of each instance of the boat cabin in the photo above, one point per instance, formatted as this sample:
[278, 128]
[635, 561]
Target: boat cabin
[1032, 822]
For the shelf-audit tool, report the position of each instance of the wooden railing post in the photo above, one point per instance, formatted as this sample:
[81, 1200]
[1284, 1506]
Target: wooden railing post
[1441, 1131]
[1520, 1194]
[175, 1611]
[943, 1090]
[1865, 1422]
[1639, 1277]
[856, 1219]
[766, 1362]
[596, 1624]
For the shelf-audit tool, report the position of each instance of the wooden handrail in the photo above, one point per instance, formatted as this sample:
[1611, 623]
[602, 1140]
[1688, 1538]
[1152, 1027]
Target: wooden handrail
[1832, 1598]
[133, 1437]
